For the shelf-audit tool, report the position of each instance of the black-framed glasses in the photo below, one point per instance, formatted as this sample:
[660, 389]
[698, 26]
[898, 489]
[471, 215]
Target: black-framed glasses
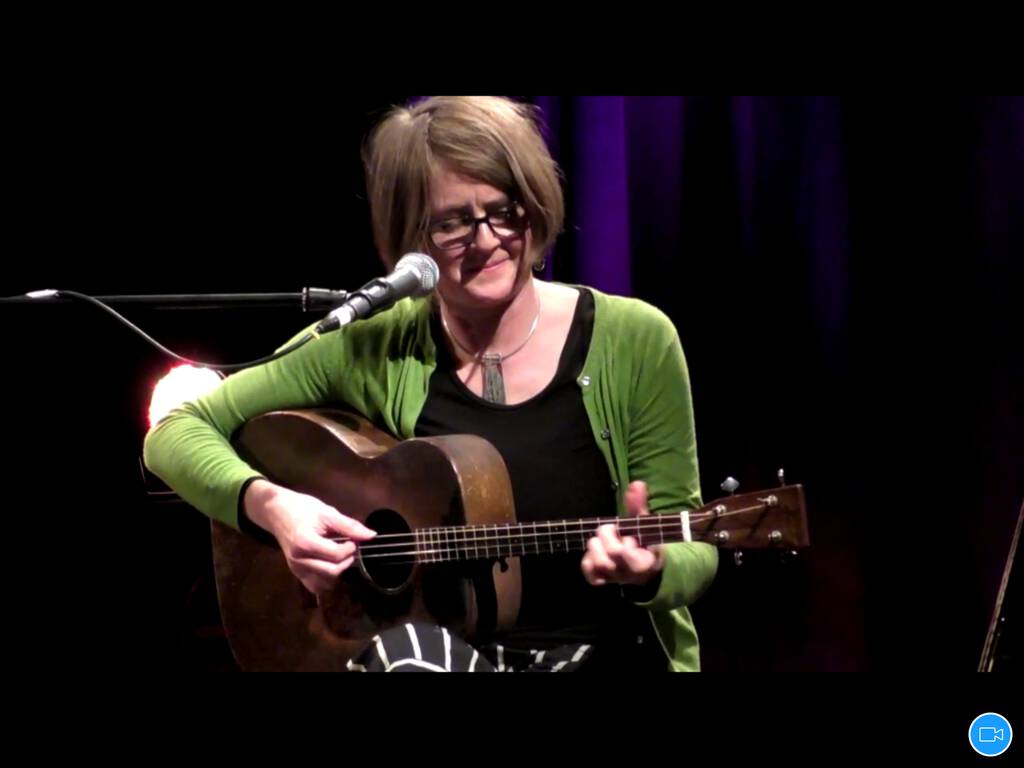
[459, 231]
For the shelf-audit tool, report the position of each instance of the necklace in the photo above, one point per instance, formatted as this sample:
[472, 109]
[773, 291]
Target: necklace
[494, 384]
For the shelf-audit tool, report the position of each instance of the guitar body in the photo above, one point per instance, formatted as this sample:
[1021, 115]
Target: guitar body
[274, 623]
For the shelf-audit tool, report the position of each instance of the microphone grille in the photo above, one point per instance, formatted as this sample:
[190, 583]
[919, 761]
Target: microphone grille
[424, 267]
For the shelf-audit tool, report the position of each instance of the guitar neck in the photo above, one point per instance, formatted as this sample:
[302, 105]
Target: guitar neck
[489, 542]
[749, 521]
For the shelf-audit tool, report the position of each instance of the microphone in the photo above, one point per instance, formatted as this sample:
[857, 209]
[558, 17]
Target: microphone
[415, 274]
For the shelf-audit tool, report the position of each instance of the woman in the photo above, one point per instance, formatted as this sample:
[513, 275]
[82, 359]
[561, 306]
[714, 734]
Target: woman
[586, 396]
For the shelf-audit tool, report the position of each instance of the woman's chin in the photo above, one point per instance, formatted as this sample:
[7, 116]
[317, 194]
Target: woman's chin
[495, 285]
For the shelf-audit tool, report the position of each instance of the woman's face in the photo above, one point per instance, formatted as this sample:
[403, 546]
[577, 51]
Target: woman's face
[483, 264]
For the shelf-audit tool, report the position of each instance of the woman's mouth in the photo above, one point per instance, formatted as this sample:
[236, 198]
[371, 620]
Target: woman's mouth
[487, 267]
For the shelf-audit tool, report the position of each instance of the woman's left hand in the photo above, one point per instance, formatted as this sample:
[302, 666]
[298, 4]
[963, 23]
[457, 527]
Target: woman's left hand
[614, 559]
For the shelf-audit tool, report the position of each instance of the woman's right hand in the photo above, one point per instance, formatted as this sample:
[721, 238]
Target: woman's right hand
[304, 528]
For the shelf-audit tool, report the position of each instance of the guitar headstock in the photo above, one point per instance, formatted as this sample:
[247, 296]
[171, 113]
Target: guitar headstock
[771, 519]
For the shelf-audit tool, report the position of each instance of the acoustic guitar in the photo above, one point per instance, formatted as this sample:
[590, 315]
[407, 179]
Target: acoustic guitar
[448, 545]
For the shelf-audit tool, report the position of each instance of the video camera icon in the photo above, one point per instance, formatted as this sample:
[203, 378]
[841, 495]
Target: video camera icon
[990, 734]
[987, 735]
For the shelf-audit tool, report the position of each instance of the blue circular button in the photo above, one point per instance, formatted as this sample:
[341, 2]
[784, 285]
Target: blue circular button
[990, 734]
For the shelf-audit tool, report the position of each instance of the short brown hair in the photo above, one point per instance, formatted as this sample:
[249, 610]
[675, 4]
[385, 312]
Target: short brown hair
[490, 139]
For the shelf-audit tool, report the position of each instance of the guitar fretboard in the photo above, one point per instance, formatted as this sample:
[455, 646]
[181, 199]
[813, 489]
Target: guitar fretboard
[436, 545]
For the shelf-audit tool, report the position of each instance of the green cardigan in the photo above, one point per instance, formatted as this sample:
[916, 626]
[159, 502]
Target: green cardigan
[634, 384]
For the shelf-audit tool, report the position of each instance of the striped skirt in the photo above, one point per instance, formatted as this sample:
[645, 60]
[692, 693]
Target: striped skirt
[419, 647]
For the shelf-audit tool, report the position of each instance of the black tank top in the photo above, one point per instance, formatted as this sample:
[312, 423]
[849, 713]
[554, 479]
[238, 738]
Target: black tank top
[556, 471]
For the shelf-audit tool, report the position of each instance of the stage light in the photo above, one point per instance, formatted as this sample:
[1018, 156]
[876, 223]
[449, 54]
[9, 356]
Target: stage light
[183, 383]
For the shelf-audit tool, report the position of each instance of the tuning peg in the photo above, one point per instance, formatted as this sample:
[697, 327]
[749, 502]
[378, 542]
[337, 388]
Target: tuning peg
[730, 485]
[782, 477]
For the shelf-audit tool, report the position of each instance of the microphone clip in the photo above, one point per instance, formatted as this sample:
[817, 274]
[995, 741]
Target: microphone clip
[322, 299]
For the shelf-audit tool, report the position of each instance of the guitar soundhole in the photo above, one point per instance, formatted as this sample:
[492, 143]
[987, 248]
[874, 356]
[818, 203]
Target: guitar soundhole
[388, 559]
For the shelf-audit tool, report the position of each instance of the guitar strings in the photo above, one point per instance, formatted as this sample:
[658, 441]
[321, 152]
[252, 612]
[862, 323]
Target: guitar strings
[461, 539]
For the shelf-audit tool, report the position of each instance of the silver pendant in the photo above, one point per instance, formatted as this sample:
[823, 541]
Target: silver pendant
[494, 384]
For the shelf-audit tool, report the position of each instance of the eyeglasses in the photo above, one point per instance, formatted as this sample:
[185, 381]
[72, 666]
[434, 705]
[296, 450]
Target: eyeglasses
[459, 231]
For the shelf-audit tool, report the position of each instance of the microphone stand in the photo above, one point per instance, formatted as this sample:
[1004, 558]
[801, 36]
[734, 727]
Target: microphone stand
[310, 299]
